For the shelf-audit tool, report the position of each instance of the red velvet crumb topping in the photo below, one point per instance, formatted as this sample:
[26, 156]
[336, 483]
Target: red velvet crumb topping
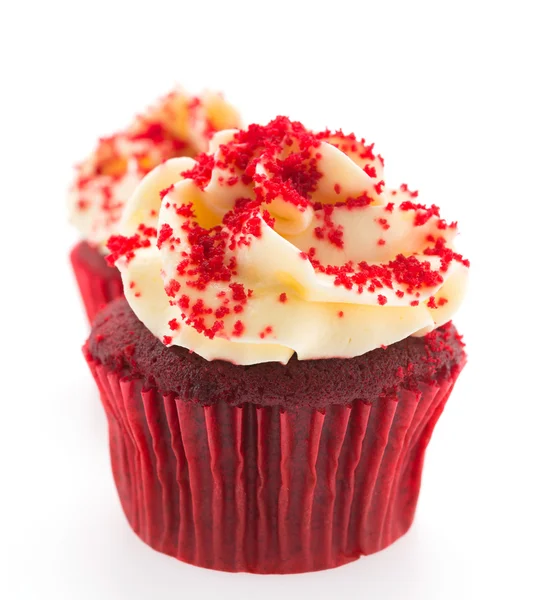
[281, 161]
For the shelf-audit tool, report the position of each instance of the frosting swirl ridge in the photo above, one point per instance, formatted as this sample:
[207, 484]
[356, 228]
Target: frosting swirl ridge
[280, 240]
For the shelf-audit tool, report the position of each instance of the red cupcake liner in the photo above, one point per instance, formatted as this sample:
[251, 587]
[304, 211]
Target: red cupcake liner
[98, 283]
[261, 490]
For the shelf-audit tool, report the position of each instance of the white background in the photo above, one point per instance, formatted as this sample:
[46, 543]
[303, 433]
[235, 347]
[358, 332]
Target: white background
[448, 91]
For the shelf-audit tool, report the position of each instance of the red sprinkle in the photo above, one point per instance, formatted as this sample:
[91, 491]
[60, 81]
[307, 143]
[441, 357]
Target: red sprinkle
[239, 328]
[370, 170]
[165, 233]
[379, 186]
[404, 188]
[423, 213]
[164, 192]
[173, 324]
[121, 246]
[172, 288]
[201, 172]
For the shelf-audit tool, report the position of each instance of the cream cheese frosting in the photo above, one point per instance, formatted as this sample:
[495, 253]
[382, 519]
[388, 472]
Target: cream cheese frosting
[281, 241]
[178, 125]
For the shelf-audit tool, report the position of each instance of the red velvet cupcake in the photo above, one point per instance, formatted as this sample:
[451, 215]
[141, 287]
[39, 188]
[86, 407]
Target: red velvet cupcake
[274, 375]
[179, 125]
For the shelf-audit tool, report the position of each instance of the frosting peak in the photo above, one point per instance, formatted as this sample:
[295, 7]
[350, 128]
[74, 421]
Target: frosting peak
[283, 240]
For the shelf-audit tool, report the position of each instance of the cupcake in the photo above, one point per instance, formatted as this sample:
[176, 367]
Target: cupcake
[179, 125]
[282, 354]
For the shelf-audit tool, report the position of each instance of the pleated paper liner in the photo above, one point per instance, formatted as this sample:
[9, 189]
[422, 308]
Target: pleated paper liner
[262, 490]
[98, 285]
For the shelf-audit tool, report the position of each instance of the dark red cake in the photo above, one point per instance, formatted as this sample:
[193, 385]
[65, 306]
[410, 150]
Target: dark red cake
[120, 342]
[268, 468]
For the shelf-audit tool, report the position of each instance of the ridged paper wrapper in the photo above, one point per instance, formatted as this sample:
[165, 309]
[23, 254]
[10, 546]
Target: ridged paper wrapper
[263, 490]
[98, 284]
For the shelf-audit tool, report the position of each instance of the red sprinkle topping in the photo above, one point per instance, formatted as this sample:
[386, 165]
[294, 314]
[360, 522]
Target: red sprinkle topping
[165, 233]
[404, 188]
[120, 245]
[433, 303]
[370, 170]
[423, 213]
[173, 324]
[164, 192]
[147, 231]
[280, 161]
[201, 172]
[329, 230]
[239, 327]
[172, 288]
[379, 186]
[446, 254]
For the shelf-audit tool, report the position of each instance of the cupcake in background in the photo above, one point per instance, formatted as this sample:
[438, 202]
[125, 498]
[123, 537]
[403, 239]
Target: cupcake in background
[282, 354]
[178, 125]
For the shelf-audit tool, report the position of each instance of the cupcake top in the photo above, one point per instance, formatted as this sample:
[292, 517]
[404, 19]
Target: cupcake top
[178, 125]
[281, 240]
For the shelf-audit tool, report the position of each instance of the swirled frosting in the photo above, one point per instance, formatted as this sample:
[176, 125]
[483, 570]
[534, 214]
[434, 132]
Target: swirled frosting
[178, 125]
[281, 241]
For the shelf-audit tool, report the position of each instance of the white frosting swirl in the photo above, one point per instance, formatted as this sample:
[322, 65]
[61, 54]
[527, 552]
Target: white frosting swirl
[178, 125]
[290, 247]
